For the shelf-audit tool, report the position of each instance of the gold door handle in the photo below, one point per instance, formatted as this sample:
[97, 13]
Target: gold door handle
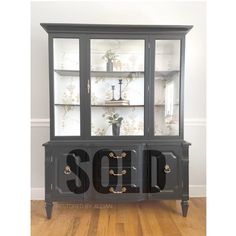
[167, 169]
[123, 172]
[67, 170]
[123, 190]
[123, 154]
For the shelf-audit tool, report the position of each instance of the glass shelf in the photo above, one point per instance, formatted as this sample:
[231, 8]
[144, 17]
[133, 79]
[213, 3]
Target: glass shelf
[159, 105]
[105, 74]
[68, 72]
[57, 104]
[117, 74]
[117, 106]
[166, 74]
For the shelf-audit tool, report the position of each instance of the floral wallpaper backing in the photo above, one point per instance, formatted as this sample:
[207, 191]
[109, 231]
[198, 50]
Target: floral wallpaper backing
[131, 125]
[133, 117]
[66, 54]
[67, 89]
[166, 112]
[130, 59]
[167, 56]
[129, 53]
[67, 120]
[132, 89]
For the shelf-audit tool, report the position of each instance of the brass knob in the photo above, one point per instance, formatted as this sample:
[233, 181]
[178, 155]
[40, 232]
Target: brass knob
[111, 154]
[167, 169]
[111, 172]
[123, 190]
[67, 170]
[123, 154]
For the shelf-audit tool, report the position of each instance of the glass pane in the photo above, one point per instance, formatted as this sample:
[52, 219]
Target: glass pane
[66, 54]
[167, 76]
[66, 87]
[117, 87]
[132, 123]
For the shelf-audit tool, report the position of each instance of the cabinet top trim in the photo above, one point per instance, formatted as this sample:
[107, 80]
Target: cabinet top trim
[109, 143]
[102, 28]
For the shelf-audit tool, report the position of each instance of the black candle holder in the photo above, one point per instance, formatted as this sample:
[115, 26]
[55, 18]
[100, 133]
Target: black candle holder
[120, 83]
[113, 90]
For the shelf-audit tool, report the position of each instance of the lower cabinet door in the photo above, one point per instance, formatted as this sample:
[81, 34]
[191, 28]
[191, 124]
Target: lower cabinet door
[70, 177]
[162, 173]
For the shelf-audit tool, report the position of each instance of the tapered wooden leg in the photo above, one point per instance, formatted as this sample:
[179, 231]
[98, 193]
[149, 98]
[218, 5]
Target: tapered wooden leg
[184, 205]
[48, 207]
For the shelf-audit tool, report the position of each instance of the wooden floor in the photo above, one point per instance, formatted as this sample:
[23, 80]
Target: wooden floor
[159, 218]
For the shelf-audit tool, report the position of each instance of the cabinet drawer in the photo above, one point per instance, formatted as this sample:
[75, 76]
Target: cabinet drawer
[113, 175]
[117, 189]
[116, 157]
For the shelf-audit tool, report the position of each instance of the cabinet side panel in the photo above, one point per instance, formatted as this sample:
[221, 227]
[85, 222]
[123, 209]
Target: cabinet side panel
[48, 174]
[185, 173]
[51, 85]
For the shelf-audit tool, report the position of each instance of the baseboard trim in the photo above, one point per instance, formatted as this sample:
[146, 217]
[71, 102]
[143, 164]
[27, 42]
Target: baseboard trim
[195, 191]
[37, 194]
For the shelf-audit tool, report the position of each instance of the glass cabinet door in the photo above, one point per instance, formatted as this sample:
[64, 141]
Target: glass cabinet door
[166, 87]
[117, 87]
[66, 87]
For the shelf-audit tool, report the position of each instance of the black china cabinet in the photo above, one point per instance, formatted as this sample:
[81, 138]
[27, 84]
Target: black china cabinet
[116, 114]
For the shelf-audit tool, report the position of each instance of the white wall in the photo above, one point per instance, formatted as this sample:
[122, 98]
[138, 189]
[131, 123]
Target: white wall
[189, 13]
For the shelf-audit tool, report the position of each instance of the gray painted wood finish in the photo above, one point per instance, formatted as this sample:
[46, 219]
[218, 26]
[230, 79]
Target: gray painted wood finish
[174, 149]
